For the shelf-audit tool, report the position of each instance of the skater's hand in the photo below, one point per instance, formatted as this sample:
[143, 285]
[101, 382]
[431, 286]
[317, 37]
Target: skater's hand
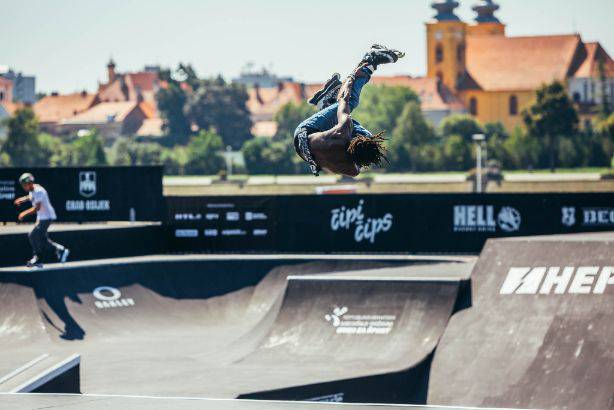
[19, 201]
[21, 216]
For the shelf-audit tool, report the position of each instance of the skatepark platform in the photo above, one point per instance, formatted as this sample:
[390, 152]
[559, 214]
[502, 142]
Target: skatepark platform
[540, 331]
[357, 329]
[526, 326]
[86, 241]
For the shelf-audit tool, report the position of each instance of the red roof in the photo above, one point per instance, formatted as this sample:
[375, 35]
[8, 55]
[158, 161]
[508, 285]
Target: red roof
[590, 66]
[263, 103]
[432, 97]
[499, 63]
[53, 108]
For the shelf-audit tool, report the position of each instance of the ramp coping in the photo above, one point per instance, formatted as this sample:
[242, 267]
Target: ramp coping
[331, 278]
[23, 368]
[240, 256]
[293, 403]
[49, 374]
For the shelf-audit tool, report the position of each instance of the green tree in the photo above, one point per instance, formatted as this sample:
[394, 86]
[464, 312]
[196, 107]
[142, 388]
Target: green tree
[171, 98]
[456, 153]
[552, 115]
[129, 152]
[214, 104]
[381, 106]
[410, 136]
[265, 156]
[289, 116]
[204, 154]
[87, 150]
[523, 149]
[496, 137]
[461, 124]
[22, 145]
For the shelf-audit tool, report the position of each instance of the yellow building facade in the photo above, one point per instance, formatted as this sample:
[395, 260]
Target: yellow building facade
[495, 76]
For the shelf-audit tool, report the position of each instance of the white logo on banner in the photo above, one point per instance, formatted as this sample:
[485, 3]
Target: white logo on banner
[481, 218]
[365, 229]
[558, 280]
[359, 324]
[568, 215]
[509, 219]
[87, 183]
[109, 297]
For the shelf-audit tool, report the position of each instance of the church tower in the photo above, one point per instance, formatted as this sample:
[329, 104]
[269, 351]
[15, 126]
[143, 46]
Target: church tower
[446, 44]
[486, 21]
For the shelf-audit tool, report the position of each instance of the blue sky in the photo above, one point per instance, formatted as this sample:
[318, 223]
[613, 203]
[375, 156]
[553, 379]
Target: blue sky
[66, 43]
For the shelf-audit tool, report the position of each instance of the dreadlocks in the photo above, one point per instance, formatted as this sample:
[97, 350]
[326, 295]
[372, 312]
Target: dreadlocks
[367, 151]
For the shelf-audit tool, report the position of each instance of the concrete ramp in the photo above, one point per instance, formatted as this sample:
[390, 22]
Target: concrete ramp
[540, 333]
[353, 338]
[227, 326]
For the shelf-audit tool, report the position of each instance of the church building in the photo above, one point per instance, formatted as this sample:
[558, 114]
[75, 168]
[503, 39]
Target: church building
[496, 76]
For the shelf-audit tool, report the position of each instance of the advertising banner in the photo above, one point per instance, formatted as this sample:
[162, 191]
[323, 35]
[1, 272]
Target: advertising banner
[406, 223]
[90, 194]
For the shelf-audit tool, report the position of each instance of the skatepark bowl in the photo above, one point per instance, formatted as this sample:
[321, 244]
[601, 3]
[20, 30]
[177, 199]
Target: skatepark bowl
[525, 325]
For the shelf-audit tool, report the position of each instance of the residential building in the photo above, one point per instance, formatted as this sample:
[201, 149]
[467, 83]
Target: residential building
[111, 119]
[54, 108]
[24, 86]
[6, 90]
[123, 105]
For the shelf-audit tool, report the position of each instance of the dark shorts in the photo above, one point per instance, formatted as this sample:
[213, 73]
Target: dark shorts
[303, 148]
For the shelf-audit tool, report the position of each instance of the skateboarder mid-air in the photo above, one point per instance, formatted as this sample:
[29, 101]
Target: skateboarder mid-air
[331, 139]
[45, 214]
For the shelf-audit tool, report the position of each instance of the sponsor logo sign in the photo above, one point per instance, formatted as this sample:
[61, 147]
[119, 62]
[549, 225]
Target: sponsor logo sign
[87, 183]
[482, 218]
[557, 280]
[589, 216]
[329, 398]
[110, 297]
[211, 232]
[7, 190]
[233, 216]
[234, 232]
[255, 216]
[260, 232]
[87, 189]
[186, 233]
[188, 217]
[351, 324]
[365, 228]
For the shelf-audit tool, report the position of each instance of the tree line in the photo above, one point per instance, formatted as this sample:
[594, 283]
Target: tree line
[204, 116]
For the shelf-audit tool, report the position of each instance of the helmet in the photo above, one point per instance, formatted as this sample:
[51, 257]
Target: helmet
[26, 178]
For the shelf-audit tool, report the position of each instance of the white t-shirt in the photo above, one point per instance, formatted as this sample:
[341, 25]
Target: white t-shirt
[39, 196]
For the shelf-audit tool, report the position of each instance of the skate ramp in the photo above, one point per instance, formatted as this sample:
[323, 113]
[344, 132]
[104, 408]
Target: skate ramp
[539, 334]
[188, 326]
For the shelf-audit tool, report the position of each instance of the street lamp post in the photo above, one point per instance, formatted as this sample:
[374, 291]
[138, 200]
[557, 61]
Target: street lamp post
[478, 139]
[228, 160]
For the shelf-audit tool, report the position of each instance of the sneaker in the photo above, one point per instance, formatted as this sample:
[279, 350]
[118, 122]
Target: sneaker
[33, 262]
[380, 54]
[328, 94]
[63, 255]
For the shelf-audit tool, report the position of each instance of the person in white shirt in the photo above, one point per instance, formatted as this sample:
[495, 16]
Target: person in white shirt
[45, 214]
